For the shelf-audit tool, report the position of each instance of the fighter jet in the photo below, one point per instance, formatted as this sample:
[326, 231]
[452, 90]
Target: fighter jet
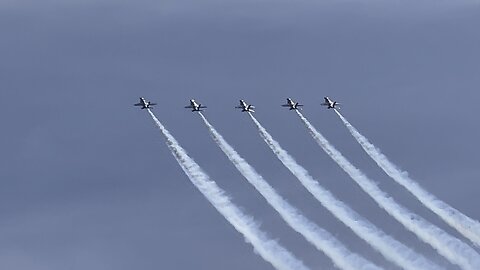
[292, 104]
[144, 103]
[331, 104]
[245, 107]
[196, 107]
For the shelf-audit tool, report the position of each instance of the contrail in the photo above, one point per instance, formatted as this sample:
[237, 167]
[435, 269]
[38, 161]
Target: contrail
[321, 239]
[463, 224]
[390, 248]
[448, 246]
[268, 249]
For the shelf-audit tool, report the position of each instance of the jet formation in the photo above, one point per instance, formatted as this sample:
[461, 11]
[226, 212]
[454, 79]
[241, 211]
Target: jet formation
[244, 106]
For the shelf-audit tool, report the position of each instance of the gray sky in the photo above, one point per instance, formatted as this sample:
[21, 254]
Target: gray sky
[88, 183]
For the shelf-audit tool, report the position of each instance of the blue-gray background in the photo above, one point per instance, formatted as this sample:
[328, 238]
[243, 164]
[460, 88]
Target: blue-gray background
[86, 181]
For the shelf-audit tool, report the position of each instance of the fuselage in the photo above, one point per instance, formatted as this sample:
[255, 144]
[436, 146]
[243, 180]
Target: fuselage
[245, 107]
[195, 106]
[292, 104]
[145, 104]
[329, 103]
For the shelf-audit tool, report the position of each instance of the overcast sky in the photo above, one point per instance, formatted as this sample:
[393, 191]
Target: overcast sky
[86, 181]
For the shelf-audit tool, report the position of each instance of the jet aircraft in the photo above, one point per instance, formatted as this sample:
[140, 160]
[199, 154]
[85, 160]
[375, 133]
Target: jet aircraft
[331, 104]
[144, 103]
[292, 104]
[196, 107]
[245, 107]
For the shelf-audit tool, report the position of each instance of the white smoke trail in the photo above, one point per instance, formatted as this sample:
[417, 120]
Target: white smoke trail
[448, 246]
[321, 239]
[390, 248]
[268, 249]
[465, 225]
